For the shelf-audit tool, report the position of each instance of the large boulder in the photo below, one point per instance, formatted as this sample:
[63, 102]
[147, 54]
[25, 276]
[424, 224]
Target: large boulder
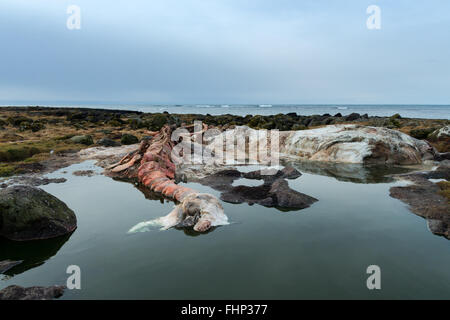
[106, 142]
[86, 140]
[333, 143]
[128, 139]
[357, 144]
[28, 213]
[441, 140]
[441, 134]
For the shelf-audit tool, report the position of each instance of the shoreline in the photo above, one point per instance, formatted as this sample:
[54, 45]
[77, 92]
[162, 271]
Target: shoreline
[30, 135]
[252, 109]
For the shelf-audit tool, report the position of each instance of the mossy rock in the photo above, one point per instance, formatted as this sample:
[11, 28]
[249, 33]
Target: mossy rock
[19, 121]
[421, 133]
[85, 139]
[37, 126]
[7, 170]
[28, 213]
[106, 142]
[445, 189]
[114, 123]
[297, 127]
[128, 139]
[157, 121]
[18, 153]
[256, 121]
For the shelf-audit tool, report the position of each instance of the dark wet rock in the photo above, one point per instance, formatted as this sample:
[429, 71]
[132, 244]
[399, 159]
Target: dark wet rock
[8, 264]
[425, 200]
[128, 139]
[442, 156]
[275, 194]
[46, 181]
[43, 181]
[33, 181]
[438, 227]
[106, 142]
[84, 173]
[289, 172]
[338, 115]
[421, 133]
[273, 174]
[221, 180]
[33, 167]
[32, 293]
[285, 197]
[85, 139]
[29, 213]
[353, 116]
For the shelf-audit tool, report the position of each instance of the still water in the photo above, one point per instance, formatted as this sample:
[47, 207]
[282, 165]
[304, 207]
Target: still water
[319, 252]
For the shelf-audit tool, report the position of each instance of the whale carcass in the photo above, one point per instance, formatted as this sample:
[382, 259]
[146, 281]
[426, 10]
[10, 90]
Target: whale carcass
[153, 167]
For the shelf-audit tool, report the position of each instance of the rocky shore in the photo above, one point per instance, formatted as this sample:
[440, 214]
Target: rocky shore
[31, 135]
[32, 293]
[35, 141]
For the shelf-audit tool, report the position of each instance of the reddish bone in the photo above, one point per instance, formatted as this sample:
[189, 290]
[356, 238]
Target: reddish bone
[156, 169]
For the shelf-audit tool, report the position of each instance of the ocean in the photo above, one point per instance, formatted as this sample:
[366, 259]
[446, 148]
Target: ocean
[407, 111]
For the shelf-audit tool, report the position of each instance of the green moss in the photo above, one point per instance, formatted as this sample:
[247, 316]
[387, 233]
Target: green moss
[86, 140]
[157, 121]
[66, 137]
[16, 152]
[18, 121]
[114, 123]
[11, 154]
[29, 213]
[256, 121]
[421, 133]
[128, 139]
[299, 127]
[445, 189]
[7, 170]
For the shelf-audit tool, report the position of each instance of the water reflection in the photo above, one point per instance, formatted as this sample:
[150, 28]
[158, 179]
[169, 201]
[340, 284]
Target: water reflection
[349, 172]
[33, 253]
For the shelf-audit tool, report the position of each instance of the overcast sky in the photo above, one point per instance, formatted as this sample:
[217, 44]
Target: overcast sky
[228, 51]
